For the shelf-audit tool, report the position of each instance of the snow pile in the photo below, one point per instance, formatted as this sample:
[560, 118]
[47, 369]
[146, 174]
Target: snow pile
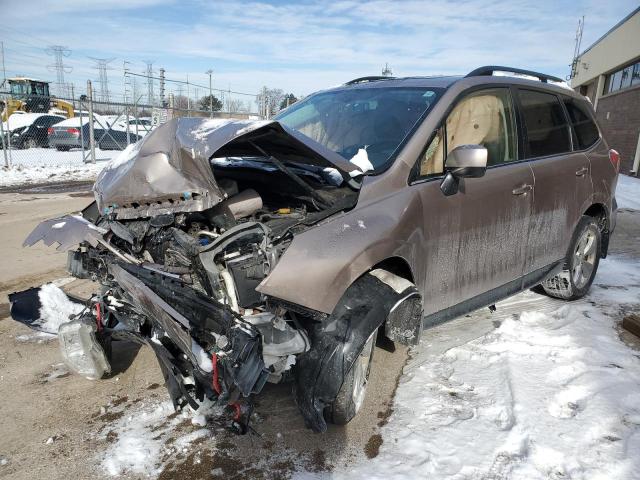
[55, 308]
[145, 438]
[628, 192]
[551, 393]
[45, 165]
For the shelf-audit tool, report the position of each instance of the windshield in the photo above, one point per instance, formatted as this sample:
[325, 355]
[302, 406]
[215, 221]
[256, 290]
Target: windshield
[18, 88]
[376, 119]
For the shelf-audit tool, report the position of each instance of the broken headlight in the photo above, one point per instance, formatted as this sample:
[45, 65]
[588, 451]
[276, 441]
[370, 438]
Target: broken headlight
[80, 348]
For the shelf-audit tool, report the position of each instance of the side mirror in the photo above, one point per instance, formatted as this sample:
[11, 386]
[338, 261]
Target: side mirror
[464, 161]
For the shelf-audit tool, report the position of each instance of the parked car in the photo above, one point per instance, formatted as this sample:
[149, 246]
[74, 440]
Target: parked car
[246, 252]
[29, 130]
[74, 133]
[117, 140]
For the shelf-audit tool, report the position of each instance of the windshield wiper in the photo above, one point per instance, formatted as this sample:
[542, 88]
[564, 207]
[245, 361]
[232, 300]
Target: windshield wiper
[293, 176]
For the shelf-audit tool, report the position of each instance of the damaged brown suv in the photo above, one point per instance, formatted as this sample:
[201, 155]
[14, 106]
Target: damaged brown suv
[279, 251]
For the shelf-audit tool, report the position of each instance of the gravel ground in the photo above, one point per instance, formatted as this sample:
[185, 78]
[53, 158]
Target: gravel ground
[58, 425]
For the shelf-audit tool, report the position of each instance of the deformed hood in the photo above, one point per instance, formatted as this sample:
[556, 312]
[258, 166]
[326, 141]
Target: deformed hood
[168, 171]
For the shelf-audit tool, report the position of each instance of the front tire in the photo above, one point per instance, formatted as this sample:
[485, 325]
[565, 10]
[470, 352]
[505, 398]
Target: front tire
[354, 388]
[581, 263]
[29, 143]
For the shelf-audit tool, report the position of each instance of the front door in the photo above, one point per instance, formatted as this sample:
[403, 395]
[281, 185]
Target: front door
[476, 240]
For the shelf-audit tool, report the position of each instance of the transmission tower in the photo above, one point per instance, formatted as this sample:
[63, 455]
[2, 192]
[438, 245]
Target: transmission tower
[386, 71]
[102, 65]
[149, 73]
[59, 52]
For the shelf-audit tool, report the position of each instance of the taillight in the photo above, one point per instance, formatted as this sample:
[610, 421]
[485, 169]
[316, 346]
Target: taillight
[614, 158]
[73, 131]
[49, 131]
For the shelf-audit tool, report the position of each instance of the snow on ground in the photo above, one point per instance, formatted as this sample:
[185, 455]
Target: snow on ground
[552, 393]
[628, 192]
[141, 443]
[43, 165]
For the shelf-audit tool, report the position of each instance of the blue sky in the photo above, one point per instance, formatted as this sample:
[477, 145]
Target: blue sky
[298, 46]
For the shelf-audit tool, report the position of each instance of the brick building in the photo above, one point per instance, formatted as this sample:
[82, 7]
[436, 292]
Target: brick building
[608, 72]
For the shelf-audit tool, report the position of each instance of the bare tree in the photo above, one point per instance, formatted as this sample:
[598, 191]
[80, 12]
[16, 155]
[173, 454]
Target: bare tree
[269, 100]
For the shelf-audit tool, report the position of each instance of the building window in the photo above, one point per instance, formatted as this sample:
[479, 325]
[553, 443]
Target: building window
[623, 78]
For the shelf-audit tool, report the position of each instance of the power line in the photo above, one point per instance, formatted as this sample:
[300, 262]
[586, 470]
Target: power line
[193, 84]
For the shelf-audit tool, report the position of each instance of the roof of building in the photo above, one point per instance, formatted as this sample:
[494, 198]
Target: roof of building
[615, 27]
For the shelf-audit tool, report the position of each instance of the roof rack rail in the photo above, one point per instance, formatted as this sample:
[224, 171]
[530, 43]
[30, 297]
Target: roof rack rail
[372, 78]
[490, 69]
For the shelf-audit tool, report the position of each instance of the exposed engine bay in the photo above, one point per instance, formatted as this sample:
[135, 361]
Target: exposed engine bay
[179, 272]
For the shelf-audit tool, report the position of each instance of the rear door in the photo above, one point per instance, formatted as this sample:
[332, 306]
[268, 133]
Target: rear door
[562, 176]
[476, 240]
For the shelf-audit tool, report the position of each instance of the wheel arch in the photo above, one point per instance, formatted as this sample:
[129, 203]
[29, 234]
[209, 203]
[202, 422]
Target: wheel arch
[599, 212]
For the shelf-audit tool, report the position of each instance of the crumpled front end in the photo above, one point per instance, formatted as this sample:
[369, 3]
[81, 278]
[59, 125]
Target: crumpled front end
[178, 243]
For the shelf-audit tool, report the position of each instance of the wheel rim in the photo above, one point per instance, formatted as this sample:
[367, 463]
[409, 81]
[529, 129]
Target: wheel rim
[584, 258]
[362, 368]
[30, 143]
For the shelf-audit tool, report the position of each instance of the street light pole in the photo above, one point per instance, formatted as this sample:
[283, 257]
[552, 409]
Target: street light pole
[210, 72]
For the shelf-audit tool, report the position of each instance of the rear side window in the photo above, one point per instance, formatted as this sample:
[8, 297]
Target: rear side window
[545, 122]
[583, 125]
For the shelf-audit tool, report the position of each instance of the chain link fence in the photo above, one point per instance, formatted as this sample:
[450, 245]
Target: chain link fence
[73, 138]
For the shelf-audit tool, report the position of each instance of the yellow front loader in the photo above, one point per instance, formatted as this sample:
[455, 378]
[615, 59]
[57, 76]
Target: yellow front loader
[30, 95]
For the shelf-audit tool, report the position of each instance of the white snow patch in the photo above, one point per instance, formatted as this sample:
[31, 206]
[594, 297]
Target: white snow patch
[204, 359]
[361, 160]
[141, 443]
[551, 393]
[42, 165]
[56, 308]
[628, 192]
[334, 175]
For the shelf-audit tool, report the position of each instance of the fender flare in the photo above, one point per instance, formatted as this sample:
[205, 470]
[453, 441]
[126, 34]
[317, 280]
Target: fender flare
[337, 341]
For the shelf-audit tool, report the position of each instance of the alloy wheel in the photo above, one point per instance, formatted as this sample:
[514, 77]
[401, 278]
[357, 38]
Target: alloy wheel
[584, 259]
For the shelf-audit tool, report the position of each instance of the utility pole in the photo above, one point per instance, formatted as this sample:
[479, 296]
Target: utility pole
[162, 88]
[92, 145]
[188, 97]
[59, 52]
[4, 70]
[576, 50]
[210, 72]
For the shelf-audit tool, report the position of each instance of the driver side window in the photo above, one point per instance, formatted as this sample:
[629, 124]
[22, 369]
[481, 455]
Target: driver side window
[486, 118]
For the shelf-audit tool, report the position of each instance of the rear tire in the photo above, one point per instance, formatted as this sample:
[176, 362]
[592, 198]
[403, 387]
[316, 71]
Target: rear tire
[29, 143]
[354, 388]
[581, 263]
[63, 149]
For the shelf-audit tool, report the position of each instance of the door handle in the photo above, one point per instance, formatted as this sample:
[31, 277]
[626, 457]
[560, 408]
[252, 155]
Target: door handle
[582, 172]
[522, 190]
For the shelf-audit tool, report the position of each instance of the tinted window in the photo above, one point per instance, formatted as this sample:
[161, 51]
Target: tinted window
[583, 124]
[546, 125]
[374, 118]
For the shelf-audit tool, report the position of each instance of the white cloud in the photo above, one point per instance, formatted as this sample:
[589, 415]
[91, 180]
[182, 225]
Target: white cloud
[303, 47]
